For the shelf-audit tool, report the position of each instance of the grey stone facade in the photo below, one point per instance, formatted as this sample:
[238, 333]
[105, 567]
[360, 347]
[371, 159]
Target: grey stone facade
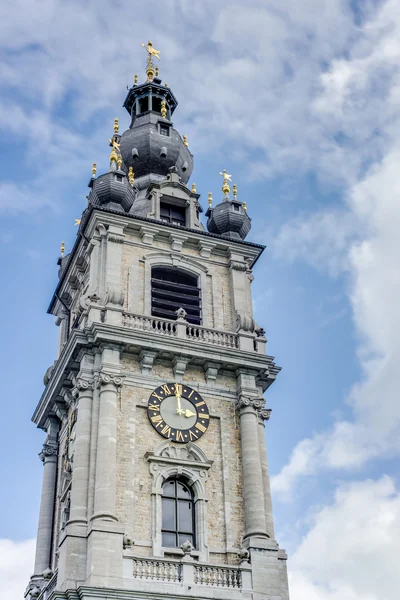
[99, 533]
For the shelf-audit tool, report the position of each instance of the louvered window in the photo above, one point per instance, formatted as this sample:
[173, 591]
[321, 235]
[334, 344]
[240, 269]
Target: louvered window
[170, 213]
[172, 289]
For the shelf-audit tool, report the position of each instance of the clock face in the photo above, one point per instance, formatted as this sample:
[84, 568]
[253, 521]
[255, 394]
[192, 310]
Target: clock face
[178, 412]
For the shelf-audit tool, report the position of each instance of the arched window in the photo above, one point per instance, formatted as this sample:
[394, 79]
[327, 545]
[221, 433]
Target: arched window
[172, 289]
[178, 520]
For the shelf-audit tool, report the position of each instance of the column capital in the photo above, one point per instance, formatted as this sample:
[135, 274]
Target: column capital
[255, 403]
[105, 378]
[49, 450]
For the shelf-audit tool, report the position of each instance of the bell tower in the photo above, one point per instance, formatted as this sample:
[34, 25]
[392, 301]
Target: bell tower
[155, 473]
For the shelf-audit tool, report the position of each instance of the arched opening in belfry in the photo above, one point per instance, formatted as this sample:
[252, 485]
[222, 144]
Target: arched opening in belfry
[172, 289]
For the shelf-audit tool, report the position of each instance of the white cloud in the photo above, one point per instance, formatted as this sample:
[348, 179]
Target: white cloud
[351, 550]
[360, 239]
[16, 567]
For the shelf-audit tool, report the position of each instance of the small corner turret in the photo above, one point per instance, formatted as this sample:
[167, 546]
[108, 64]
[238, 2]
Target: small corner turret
[229, 218]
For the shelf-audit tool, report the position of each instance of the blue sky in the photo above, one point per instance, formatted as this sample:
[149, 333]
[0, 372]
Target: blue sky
[300, 101]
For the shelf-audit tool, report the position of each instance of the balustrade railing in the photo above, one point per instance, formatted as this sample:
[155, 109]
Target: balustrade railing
[172, 571]
[161, 326]
[212, 336]
[217, 576]
[156, 570]
[187, 331]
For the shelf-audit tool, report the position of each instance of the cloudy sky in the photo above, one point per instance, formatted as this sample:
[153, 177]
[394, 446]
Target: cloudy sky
[300, 100]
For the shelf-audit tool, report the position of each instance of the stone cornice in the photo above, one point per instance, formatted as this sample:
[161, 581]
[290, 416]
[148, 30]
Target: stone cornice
[101, 333]
[94, 214]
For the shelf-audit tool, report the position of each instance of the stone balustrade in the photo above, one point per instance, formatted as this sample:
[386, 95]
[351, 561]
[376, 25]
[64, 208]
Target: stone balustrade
[156, 570]
[230, 577]
[163, 570]
[212, 336]
[161, 326]
[180, 329]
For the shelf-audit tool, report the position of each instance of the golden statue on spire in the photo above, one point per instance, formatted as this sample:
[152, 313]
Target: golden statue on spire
[226, 178]
[150, 68]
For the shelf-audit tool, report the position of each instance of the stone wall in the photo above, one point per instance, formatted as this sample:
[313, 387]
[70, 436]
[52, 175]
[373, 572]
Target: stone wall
[221, 444]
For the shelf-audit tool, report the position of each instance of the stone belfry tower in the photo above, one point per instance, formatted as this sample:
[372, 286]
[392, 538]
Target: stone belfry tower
[155, 478]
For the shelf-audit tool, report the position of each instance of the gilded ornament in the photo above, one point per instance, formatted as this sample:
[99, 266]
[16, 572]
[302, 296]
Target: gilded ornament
[226, 178]
[94, 170]
[116, 126]
[131, 176]
[163, 109]
[135, 79]
[193, 188]
[150, 68]
[77, 222]
[244, 206]
[185, 141]
[62, 249]
[234, 190]
[119, 161]
[209, 199]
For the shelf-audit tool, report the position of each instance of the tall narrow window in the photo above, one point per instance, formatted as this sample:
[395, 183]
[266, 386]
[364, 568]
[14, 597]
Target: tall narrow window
[177, 514]
[172, 289]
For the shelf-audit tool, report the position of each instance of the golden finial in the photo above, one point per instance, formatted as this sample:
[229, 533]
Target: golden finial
[226, 178]
[194, 188]
[234, 190]
[131, 176]
[135, 79]
[163, 109]
[244, 206]
[150, 68]
[77, 222]
[94, 170]
[185, 141]
[156, 71]
[116, 126]
[62, 249]
[113, 154]
[119, 161]
[210, 199]
[166, 84]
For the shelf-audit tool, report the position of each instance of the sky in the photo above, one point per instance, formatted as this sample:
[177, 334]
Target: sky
[300, 101]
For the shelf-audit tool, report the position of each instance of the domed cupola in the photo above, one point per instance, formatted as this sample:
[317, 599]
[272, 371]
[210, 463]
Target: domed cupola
[229, 218]
[113, 189]
[151, 146]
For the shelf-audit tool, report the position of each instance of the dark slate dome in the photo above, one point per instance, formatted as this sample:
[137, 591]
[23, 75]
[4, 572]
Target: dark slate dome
[229, 219]
[113, 190]
[152, 146]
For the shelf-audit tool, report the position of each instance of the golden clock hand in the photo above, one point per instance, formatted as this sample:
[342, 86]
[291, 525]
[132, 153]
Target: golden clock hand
[189, 413]
[178, 394]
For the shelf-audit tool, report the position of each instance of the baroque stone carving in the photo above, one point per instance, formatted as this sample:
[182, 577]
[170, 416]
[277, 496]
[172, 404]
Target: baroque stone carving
[181, 313]
[113, 237]
[238, 266]
[127, 541]
[245, 323]
[257, 403]
[187, 547]
[49, 449]
[110, 378]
